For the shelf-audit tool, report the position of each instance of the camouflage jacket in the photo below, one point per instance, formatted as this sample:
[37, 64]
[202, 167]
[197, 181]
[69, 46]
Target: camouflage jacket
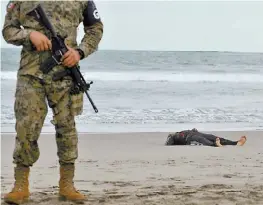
[65, 16]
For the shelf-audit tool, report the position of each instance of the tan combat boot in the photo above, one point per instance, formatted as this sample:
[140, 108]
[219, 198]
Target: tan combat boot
[67, 190]
[20, 191]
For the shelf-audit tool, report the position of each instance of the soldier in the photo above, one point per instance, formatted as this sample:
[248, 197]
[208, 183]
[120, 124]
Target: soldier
[34, 87]
[188, 137]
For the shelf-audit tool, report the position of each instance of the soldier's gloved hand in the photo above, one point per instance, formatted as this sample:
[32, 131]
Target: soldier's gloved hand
[40, 41]
[71, 57]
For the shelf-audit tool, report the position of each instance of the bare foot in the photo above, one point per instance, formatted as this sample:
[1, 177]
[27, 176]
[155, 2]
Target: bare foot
[218, 142]
[242, 141]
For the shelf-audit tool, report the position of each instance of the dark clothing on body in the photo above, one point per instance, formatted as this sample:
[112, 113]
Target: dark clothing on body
[189, 137]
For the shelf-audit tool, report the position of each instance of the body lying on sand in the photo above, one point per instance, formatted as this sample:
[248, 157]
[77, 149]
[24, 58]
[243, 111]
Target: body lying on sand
[194, 137]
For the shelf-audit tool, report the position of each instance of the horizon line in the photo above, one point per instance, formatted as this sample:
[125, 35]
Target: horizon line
[142, 50]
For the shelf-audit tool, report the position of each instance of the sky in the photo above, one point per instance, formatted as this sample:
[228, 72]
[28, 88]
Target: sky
[178, 25]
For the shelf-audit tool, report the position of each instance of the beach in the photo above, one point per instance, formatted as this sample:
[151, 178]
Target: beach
[136, 168]
[163, 67]
[122, 157]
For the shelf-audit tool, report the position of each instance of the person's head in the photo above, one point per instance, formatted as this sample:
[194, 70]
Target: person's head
[170, 140]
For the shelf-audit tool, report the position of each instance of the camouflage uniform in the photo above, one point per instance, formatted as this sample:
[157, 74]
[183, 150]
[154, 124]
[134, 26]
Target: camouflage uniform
[35, 89]
[33, 86]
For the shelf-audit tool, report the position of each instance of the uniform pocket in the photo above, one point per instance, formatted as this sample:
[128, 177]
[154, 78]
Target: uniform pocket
[29, 59]
[76, 106]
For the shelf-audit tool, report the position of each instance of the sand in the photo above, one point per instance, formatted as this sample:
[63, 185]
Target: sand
[136, 168]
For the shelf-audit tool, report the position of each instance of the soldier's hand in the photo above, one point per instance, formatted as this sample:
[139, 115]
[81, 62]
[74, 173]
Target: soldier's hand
[40, 41]
[71, 57]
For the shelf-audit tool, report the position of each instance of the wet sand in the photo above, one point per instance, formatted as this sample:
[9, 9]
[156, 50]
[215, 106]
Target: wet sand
[136, 168]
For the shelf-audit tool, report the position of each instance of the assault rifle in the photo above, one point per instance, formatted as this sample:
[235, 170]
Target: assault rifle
[58, 50]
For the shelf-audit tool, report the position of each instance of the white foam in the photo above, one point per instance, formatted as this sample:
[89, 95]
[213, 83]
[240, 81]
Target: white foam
[8, 75]
[160, 76]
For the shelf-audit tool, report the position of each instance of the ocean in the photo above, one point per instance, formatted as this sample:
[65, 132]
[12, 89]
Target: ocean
[137, 91]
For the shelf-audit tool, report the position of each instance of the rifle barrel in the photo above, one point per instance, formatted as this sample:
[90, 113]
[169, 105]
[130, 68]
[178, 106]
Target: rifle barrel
[91, 102]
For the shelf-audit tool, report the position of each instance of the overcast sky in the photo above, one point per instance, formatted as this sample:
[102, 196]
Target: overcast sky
[179, 25]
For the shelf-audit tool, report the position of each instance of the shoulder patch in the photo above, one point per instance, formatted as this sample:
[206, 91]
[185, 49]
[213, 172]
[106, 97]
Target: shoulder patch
[96, 14]
[91, 14]
[10, 6]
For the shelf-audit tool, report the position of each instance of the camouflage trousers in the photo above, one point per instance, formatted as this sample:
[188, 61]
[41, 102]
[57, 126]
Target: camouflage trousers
[32, 98]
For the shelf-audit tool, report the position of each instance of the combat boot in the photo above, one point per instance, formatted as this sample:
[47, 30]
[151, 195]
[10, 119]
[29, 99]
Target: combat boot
[67, 191]
[20, 191]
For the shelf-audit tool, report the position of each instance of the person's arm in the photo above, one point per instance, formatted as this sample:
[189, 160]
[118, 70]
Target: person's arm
[202, 140]
[12, 31]
[93, 29]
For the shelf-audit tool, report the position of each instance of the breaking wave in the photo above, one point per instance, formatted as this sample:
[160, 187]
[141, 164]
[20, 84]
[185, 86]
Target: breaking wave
[160, 76]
